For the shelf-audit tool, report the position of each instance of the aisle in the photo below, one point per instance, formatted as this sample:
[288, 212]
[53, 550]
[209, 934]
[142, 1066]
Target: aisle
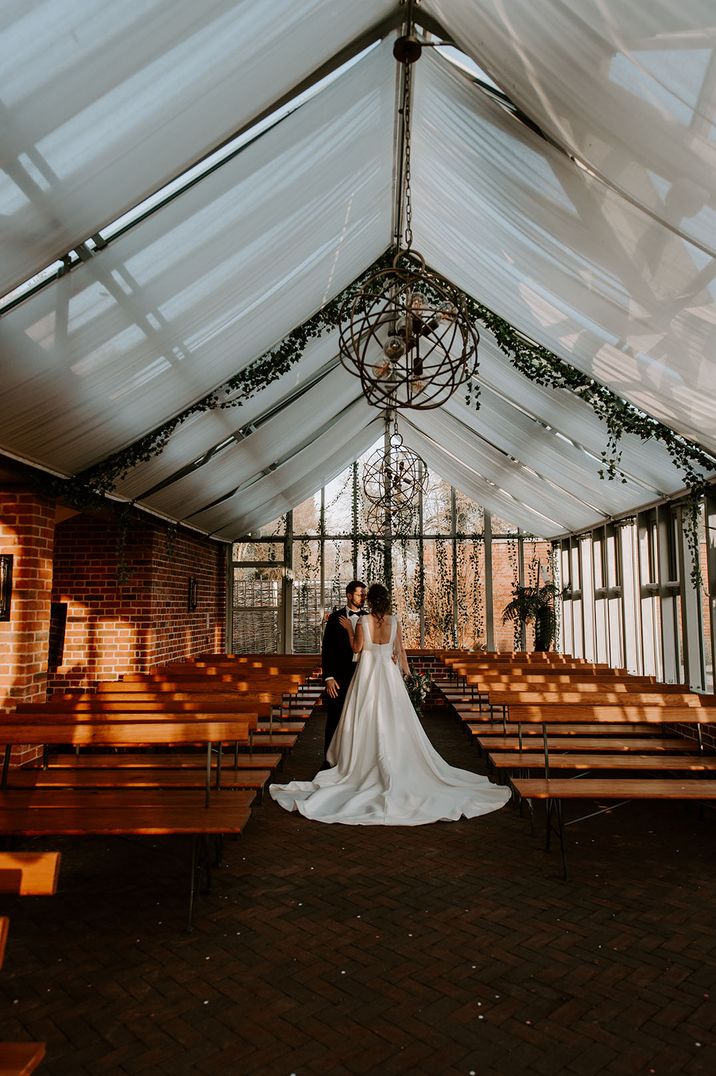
[451, 948]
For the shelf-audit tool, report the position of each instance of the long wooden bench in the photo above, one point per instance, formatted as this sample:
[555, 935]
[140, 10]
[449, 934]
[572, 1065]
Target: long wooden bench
[585, 788]
[512, 761]
[115, 731]
[555, 790]
[129, 811]
[572, 742]
[110, 775]
[29, 873]
[20, 1058]
[261, 715]
[24, 874]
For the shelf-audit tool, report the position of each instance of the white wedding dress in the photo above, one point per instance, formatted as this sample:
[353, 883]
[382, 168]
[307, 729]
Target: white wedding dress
[385, 771]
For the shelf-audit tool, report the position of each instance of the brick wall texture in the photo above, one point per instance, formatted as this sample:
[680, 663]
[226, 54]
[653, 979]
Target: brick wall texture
[26, 532]
[127, 597]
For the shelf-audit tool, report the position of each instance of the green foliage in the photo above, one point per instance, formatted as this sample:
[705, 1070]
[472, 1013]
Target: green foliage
[418, 685]
[536, 604]
[535, 362]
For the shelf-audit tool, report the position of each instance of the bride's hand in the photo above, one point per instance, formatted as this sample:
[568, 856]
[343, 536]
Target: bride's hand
[345, 623]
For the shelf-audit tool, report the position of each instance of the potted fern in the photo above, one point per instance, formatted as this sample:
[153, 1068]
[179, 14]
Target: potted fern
[536, 604]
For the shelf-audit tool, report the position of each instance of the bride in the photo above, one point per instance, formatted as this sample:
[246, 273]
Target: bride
[385, 771]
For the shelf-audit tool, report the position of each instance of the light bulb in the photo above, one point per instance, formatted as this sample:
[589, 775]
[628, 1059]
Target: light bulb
[393, 348]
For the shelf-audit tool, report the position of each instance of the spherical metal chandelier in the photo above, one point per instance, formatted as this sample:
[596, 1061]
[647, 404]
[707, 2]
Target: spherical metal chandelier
[394, 477]
[407, 336]
[406, 333]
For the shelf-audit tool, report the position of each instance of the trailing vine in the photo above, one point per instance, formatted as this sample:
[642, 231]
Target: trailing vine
[478, 620]
[517, 630]
[534, 361]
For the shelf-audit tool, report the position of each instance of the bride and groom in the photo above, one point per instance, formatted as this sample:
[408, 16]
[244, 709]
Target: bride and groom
[382, 768]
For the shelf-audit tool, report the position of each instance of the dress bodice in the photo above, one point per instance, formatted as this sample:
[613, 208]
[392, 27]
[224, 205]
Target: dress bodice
[368, 643]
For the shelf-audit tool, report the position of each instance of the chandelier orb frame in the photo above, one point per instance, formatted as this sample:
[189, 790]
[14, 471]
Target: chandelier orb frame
[394, 477]
[407, 335]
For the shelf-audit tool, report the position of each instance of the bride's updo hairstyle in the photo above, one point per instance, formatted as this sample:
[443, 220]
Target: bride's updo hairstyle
[378, 599]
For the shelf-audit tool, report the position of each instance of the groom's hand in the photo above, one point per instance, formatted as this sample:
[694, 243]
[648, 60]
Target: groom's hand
[331, 689]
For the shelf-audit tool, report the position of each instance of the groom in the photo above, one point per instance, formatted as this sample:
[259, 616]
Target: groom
[338, 659]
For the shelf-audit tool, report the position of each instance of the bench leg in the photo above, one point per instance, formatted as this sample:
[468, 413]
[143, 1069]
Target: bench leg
[555, 823]
[200, 864]
[6, 764]
[192, 881]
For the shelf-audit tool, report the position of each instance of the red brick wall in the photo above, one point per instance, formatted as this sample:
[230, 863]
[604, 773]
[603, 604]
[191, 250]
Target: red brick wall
[127, 611]
[26, 532]
[503, 578]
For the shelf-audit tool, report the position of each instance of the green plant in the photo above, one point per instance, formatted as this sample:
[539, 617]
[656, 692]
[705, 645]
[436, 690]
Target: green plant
[536, 604]
[418, 685]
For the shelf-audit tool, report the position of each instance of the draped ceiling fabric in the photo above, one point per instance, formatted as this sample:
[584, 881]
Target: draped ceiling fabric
[595, 239]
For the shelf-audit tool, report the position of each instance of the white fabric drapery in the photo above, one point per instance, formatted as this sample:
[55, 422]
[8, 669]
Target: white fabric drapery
[627, 87]
[194, 293]
[281, 437]
[106, 102]
[555, 252]
[295, 480]
[611, 270]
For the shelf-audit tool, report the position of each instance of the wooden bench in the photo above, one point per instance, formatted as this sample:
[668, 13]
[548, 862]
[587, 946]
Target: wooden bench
[20, 1058]
[24, 873]
[29, 873]
[262, 716]
[573, 742]
[624, 760]
[74, 812]
[171, 760]
[116, 731]
[555, 790]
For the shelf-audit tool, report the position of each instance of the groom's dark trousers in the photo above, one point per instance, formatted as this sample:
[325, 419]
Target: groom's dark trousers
[336, 661]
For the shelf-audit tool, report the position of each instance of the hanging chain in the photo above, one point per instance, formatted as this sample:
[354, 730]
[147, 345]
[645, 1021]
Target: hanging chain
[407, 200]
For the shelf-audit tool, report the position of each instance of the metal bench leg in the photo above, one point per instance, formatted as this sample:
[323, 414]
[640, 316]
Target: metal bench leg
[192, 882]
[560, 833]
[6, 764]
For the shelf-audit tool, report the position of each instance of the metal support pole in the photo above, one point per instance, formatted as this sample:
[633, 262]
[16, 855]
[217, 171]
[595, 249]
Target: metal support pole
[453, 514]
[489, 609]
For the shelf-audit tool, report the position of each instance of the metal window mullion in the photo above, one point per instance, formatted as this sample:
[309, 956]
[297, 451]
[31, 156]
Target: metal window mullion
[630, 598]
[489, 596]
[691, 614]
[668, 636]
[586, 555]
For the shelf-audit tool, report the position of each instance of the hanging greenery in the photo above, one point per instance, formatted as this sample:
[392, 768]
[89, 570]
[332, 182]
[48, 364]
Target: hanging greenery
[533, 360]
[478, 618]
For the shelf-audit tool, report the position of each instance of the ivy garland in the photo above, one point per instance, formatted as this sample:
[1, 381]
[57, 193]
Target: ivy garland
[478, 620]
[532, 360]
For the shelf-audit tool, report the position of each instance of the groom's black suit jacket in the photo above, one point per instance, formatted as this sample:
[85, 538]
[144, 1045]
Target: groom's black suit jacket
[336, 651]
[336, 661]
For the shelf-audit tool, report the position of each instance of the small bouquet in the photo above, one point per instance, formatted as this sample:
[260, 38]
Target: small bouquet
[418, 685]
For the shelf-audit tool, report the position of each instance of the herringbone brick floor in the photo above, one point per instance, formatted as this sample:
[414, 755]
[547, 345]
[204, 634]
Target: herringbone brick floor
[443, 949]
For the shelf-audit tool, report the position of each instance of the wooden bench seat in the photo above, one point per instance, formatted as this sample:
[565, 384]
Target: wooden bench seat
[80, 812]
[280, 741]
[625, 760]
[145, 702]
[155, 724]
[29, 873]
[616, 788]
[20, 1058]
[171, 760]
[495, 727]
[119, 777]
[590, 743]
[600, 698]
